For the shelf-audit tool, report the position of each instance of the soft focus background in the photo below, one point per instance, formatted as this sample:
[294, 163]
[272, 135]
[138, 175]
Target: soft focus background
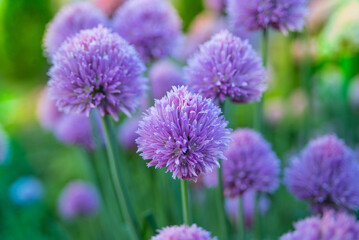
[313, 89]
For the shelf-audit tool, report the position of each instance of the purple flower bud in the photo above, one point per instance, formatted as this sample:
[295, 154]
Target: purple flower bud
[47, 111]
[163, 75]
[331, 226]
[185, 133]
[251, 164]
[152, 26]
[70, 20]
[183, 232]
[224, 67]
[97, 69]
[77, 199]
[75, 129]
[326, 173]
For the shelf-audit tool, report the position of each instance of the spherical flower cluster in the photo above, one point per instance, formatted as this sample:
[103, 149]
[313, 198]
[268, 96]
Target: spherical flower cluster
[69, 21]
[332, 226]
[283, 15]
[226, 66]
[47, 112]
[77, 199]
[75, 129]
[251, 164]
[97, 69]
[163, 75]
[326, 173]
[183, 232]
[127, 133]
[152, 26]
[184, 132]
[26, 190]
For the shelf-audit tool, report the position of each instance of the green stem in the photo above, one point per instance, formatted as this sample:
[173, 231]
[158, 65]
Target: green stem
[116, 177]
[185, 205]
[265, 47]
[258, 119]
[258, 217]
[241, 230]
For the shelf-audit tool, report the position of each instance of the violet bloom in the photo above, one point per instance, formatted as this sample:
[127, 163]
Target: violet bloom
[47, 111]
[163, 75]
[251, 164]
[331, 226]
[183, 232]
[26, 190]
[216, 5]
[97, 69]
[227, 66]
[75, 129]
[152, 26]
[283, 15]
[184, 132]
[127, 133]
[77, 199]
[69, 21]
[326, 173]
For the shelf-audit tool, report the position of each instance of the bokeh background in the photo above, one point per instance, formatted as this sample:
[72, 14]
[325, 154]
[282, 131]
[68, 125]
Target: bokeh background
[313, 90]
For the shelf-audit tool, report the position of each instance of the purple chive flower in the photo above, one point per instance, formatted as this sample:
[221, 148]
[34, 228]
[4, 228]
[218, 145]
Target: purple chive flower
[283, 15]
[75, 129]
[163, 75]
[47, 111]
[183, 232]
[326, 173]
[70, 20]
[227, 66]
[251, 164]
[152, 26]
[216, 5]
[26, 190]
[77, 199]
[97, 69]
[185, 133]
[249, 198]
[331, 226]
[127, 133]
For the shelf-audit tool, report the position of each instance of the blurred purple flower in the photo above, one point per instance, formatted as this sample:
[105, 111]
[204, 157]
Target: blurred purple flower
[97, 69]
[227, 66]
[249, 198]
[183, 232]
[163, 75]
[152, 26]
[69, 21]
[47, 111]
[77, 199]
[326, 173]
[184, 132]
[283, 15]
[251, 164]
[127, 133]
[75, 129]
[216, 5]
[26, 190]
[331, 226]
